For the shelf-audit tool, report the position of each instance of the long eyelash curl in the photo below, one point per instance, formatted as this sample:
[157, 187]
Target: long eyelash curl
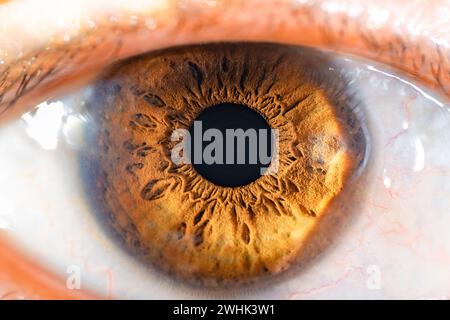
[173, 218]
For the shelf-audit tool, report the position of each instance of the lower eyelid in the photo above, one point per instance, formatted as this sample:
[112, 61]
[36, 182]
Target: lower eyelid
[348, 28]
[431, 65]
[21, 278]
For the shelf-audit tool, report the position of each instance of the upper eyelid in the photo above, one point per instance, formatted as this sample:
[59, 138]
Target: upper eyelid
[339, 28]
[428, 49]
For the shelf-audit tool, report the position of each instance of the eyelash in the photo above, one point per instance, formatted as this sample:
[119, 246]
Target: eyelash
[428, 62]
[419, 57]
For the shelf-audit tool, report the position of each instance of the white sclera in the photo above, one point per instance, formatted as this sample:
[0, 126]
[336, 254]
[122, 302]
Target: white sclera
[396, 246]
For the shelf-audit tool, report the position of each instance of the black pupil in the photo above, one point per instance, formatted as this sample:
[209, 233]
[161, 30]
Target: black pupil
[252, 149]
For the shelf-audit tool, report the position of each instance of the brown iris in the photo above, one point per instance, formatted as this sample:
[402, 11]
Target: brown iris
[172, 216]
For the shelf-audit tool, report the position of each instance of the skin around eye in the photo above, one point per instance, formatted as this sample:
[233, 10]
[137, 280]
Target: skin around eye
[174, 218]
[428, 25]
[40, 59]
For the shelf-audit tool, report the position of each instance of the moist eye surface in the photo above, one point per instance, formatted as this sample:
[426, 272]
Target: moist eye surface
[209, 223]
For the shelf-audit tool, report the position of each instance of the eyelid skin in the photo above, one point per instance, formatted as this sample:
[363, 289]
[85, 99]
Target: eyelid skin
[70, 42]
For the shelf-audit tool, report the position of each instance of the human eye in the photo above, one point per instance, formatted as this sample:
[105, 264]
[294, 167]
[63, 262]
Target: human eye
[91, 189]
